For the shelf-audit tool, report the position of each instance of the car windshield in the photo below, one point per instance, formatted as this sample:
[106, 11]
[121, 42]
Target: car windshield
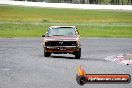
[62, 31]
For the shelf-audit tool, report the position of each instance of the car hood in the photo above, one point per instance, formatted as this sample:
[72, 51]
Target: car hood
[61, 38]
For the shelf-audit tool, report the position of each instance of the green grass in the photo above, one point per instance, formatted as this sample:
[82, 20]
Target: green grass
[17, 21]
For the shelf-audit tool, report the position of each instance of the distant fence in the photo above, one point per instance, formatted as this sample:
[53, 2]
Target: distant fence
[66, 5]
[112, 2]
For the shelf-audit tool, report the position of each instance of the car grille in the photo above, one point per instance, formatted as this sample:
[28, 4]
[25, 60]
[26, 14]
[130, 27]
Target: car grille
[61, 43]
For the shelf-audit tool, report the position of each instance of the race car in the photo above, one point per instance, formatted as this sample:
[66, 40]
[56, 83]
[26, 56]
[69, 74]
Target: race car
[62, 40]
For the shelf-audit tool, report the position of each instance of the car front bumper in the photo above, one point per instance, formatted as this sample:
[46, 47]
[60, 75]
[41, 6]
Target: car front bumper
[61, 49]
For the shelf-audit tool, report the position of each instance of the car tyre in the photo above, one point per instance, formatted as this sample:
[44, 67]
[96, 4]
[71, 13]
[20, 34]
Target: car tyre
[47, 54]
[78, 54]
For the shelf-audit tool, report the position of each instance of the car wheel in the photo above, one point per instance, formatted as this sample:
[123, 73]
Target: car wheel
[47, 54]
[78, 54]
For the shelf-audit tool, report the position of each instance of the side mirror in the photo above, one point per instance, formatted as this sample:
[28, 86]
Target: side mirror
[77, 32]
[43, 35]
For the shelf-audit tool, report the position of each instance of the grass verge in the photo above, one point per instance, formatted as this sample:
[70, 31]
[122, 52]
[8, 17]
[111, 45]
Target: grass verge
[17, 21]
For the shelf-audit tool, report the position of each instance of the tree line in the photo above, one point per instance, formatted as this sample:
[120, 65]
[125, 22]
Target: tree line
[113, 2]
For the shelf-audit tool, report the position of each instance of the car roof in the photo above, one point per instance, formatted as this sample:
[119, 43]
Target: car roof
[62, 26]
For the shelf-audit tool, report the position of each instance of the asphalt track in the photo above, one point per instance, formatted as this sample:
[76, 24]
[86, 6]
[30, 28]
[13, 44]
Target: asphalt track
[22, 64]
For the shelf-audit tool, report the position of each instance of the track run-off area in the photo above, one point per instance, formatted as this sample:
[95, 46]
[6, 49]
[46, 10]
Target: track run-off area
[22, 64]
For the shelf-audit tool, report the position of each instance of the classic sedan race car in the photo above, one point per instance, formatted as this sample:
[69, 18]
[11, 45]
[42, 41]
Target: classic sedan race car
[62, 40]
